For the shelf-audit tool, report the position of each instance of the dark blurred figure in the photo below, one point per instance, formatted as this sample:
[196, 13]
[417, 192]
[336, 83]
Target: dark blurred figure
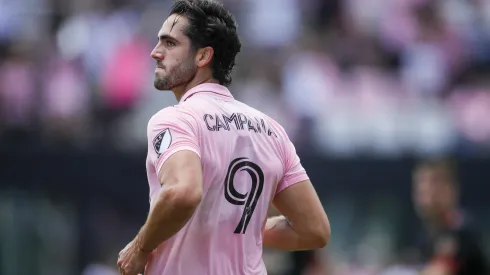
[301, 261]
[450, 245]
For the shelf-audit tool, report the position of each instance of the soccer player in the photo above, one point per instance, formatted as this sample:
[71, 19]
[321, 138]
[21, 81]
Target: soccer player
[214, 164]
[450, 244]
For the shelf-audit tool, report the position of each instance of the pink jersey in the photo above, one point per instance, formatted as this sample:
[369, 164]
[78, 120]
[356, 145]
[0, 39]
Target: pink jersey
[247, 158]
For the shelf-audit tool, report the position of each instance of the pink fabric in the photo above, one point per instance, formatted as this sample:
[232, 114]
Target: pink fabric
[241, 150]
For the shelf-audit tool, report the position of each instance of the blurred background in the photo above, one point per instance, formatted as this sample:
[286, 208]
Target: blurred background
[364, 88]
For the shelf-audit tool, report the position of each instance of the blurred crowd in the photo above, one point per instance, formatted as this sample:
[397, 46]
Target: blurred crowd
[344, 77]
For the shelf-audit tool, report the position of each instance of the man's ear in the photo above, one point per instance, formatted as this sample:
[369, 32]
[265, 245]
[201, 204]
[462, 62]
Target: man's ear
[204, 56]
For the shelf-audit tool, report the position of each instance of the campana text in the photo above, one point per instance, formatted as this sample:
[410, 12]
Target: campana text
[237, 121]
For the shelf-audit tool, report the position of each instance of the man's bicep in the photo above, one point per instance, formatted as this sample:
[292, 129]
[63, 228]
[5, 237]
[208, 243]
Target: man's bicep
[182, 169]
[300, 204]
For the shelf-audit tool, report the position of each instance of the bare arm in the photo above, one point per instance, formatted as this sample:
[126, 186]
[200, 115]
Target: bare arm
[304, 224]
[181, 179]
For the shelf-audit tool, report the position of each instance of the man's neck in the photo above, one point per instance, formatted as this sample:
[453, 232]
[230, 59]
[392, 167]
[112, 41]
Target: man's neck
[180, 91]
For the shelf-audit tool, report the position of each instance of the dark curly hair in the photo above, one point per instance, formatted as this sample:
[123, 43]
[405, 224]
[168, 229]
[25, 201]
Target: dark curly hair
[210, 24]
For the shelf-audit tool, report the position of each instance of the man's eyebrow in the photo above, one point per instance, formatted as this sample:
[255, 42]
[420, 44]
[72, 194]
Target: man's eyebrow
[166, 37]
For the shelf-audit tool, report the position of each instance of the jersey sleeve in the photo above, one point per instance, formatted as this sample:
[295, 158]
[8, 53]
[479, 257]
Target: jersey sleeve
[293, 170]
[170, 131]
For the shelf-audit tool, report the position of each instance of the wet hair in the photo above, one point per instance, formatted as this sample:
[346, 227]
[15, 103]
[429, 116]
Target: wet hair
[211, 25]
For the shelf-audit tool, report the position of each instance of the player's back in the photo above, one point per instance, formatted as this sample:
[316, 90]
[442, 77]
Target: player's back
[243, 159]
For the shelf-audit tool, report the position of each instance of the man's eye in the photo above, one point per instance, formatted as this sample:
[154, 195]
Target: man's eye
[170, 43]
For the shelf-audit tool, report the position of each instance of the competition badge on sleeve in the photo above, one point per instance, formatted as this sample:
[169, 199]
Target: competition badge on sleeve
[162, 141]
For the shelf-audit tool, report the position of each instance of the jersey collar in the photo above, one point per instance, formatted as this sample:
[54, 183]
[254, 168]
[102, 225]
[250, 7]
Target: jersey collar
[211, 88]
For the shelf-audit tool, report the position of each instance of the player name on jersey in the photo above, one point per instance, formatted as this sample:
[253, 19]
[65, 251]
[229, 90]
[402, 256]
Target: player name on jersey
[238, 121]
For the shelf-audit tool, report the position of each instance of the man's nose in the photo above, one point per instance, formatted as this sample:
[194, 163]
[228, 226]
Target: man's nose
[156, 54]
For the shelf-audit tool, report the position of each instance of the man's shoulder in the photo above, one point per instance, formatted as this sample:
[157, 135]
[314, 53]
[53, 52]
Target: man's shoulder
[172, 116]
[170, 110]
[171, 113]
[162, 115]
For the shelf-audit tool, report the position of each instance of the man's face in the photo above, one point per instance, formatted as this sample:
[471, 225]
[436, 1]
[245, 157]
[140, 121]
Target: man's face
[433, 195]
[175, 59]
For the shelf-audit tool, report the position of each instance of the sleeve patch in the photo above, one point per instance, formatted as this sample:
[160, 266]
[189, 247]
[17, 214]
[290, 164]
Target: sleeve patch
[162, 141]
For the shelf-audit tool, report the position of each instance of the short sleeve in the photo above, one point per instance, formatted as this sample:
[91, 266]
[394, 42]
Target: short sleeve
[293, 170]
[170, 131]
